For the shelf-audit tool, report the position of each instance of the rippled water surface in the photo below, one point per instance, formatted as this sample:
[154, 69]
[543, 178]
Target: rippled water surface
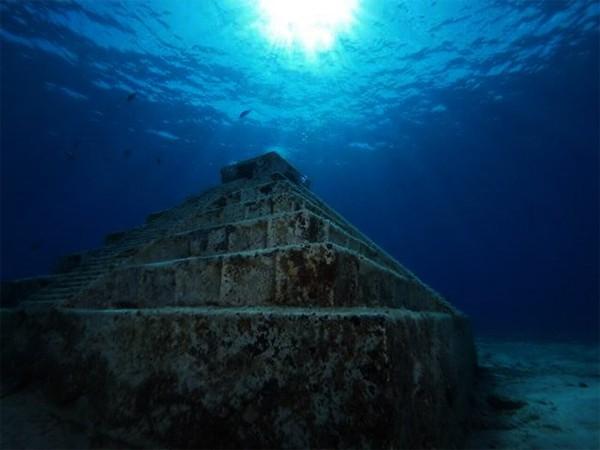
[212, 55]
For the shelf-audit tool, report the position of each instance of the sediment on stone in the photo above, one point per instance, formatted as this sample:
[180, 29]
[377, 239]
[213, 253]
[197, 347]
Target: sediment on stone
[250, 316]
[293, 275]
[253, 377]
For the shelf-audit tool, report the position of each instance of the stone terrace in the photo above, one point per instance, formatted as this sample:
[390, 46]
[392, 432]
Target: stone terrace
[251, 315]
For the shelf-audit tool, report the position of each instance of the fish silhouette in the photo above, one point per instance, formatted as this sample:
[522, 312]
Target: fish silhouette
[245, 113]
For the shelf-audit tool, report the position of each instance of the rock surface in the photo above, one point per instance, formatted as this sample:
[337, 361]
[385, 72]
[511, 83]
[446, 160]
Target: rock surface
[254, 316]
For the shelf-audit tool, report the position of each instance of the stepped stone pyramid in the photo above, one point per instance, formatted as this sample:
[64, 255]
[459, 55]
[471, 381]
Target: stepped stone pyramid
[252, 315]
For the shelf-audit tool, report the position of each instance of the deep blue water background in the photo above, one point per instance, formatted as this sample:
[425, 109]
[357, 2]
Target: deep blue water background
[469, 152]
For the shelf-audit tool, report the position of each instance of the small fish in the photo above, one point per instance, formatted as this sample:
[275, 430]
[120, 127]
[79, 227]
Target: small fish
[127, 153]
[158, 160]
[245, 113]
[35, 246]
[131, 97]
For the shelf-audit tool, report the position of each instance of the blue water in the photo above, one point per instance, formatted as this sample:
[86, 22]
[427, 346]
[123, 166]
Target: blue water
[462, 136]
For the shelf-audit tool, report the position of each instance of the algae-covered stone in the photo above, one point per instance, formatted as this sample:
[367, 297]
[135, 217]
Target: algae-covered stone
[258, 377]
[250, 316]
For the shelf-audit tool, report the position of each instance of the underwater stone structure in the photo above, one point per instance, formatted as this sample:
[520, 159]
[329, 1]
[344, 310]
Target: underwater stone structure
[252, 315]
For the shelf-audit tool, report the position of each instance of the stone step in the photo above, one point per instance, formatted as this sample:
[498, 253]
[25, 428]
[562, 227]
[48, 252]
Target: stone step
[257, 201]
[249, 194]
[70, 286]
[349, 228]
[159, 224]
[93, 266]
[277, 201]
[107, 255]
[286, 194]
[282, 229]
[260, 200]
[47, 297]
[76, 274]
[379, 370]
[58, 290]
[96, 265]
[262, 191]
[66, 285]
[60, 287]
[323, 275]
[82, 261]
[123, 246]
[117, 254]
[82, 275]
[283, 197]
[75, 284]
[79, 281]
[316, 205]
[127, 239]
[41, 304]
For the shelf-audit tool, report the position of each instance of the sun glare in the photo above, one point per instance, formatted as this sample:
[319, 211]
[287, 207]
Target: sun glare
[311, 25]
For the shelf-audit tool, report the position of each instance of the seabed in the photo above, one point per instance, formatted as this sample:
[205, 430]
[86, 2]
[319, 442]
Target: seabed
[536, 395]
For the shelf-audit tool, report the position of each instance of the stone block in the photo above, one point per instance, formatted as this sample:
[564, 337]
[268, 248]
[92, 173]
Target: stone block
[320, 275]
[217, 241]
[173, 247]
[252, 377]
[248, 279]
[194, 281]
[259, 208]
[248, 236]
[296, 228]
[260, 167]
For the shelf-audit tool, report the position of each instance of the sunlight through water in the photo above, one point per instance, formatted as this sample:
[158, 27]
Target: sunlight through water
[309, 25]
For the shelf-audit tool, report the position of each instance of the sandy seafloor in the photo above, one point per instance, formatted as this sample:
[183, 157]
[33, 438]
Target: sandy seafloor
[537, 395]
[531, 395]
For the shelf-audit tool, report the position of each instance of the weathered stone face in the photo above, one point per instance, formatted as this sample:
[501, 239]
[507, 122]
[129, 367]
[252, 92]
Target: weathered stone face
[320, 275]
[261, 377]
[250, 316]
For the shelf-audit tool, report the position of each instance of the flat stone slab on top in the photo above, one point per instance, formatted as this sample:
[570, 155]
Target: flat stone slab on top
[261, 166]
